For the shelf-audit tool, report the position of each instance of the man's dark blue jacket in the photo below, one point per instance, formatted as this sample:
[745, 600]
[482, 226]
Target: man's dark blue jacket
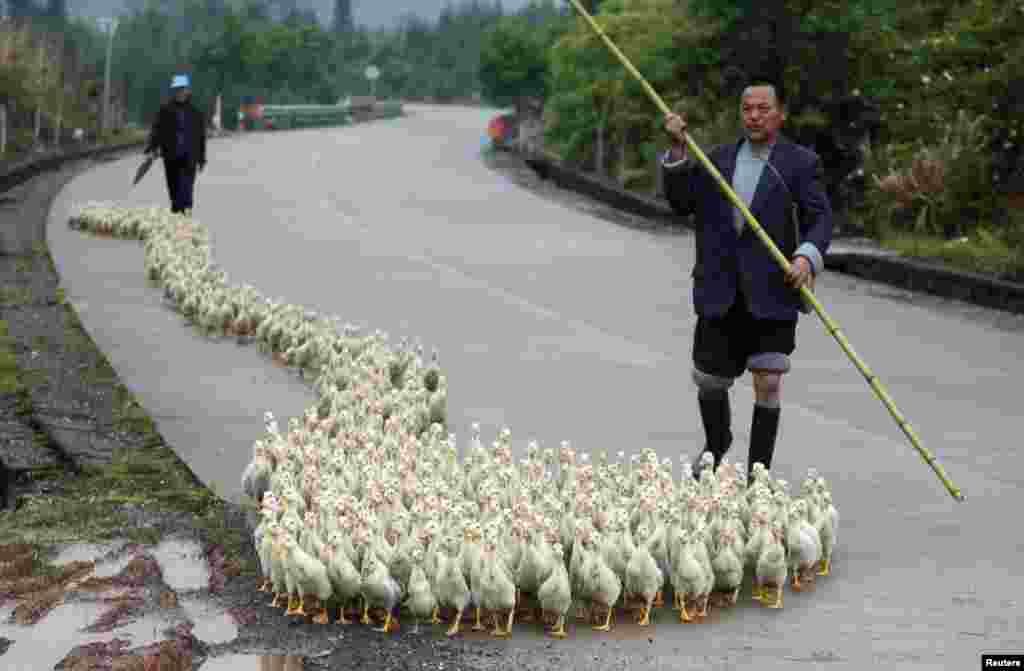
[726, 259]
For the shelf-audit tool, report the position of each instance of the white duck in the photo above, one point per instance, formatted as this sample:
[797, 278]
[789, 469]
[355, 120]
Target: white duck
[497, 588]
[803, 545]
[601, 585]
[554, 593]
[770, 569]
[452, 589]
[378, 588]
[728, 564]
[345, 578]
[421, 601]
[309, 576]
[643, 577]
[828, 529]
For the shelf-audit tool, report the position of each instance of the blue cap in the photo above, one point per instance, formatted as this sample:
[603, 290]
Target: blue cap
[179, 82]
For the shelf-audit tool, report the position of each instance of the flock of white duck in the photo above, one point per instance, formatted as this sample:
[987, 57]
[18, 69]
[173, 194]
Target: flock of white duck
[365, 502]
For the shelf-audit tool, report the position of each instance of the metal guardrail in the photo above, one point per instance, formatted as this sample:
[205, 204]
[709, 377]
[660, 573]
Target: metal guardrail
[304, 116]
[388, 109]
[280, 117]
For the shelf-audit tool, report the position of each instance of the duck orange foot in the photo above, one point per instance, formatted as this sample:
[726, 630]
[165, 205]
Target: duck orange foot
[387, 625]
[826, 567]
[498, 631]
[607, 626]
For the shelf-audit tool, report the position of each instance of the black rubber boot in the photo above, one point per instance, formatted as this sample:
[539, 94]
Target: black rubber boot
[763, 430]
[716, 415]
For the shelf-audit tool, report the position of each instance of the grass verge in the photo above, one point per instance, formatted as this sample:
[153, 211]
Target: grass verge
[10, 381]
[144, 493]
[981, 252]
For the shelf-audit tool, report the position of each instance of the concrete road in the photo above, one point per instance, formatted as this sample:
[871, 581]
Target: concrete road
[561, 325]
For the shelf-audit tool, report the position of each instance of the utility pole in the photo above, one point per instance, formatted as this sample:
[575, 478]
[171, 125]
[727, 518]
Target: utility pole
[60, 91]
[42, 85]
[111, 25]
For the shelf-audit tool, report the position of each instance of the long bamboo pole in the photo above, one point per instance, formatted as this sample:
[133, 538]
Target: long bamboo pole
[830, 324]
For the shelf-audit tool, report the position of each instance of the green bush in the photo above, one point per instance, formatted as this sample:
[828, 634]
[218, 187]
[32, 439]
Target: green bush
[940, 189]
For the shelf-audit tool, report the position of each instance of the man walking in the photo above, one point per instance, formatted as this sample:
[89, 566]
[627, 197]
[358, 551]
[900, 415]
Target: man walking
[747, 307]
[180, 134]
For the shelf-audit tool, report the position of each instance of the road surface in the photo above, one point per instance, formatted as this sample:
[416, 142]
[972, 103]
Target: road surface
[562, 325]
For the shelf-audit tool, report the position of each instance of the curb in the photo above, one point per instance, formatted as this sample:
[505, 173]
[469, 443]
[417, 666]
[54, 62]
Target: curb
[925, 277]
[549, 167]
[26, 171]
[875, 264]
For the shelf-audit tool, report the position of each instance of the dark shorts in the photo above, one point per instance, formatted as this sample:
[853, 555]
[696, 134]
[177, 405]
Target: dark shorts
[729, 345]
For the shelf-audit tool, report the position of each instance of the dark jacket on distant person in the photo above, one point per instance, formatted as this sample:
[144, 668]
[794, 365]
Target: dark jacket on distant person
[164, 134]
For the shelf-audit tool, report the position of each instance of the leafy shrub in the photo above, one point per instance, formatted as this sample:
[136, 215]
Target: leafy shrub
[934, 189]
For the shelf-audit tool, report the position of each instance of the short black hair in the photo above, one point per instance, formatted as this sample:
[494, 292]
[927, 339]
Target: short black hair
[776, 84]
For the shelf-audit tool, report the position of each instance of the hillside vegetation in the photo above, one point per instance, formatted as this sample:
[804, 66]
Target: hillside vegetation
[236, 49]
[917, 108]
[49, 84]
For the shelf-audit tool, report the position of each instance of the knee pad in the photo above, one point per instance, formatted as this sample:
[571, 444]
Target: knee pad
[711, 385]
[773, 362]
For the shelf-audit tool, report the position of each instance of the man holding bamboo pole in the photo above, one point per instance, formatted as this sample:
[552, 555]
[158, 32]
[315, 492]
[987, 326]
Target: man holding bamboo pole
[747, 306]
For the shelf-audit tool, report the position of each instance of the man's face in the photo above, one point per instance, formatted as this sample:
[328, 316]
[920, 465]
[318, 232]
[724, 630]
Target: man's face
[181, 94]
[762, 116]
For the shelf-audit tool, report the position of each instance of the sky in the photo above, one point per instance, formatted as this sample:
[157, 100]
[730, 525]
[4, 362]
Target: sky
[370, 13]
[383, 13]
